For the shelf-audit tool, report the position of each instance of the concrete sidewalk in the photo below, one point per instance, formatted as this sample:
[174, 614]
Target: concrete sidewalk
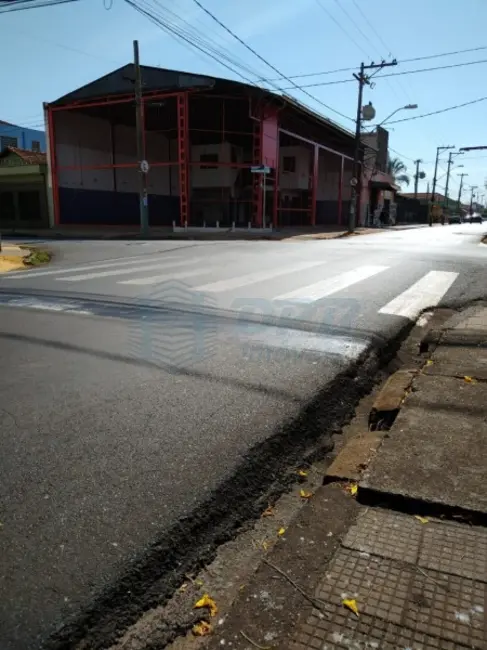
[409, 569]
[131, 232]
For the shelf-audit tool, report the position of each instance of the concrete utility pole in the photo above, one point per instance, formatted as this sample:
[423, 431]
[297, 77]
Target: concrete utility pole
[450, 160]
[139, 128]
[438, 151]
[473, 188]
[416, 177]
[462, 176]
[363, 80]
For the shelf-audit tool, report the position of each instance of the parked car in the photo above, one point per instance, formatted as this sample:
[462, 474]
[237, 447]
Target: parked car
[455, 218]
[474, 218]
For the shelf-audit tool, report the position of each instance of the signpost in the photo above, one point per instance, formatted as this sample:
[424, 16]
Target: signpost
[264, 170]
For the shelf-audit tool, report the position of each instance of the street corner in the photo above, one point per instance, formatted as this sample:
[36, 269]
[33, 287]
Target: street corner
[16, 258]
[184, 334]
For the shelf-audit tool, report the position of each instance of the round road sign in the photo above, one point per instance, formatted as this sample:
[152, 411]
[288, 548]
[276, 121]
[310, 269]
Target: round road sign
[144, 166]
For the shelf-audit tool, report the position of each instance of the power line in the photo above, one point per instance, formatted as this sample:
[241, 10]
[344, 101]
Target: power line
[261, 58]
[441, 110]
[398, 74]
[371, 26]
[412, 60]
[330, 15]
[357, 27]
[19, 5]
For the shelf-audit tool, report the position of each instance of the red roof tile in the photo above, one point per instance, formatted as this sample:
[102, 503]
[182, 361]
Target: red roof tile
[28, 157]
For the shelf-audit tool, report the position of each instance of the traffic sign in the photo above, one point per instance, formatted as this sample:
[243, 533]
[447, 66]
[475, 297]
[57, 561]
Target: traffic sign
[353, 182]
[144, 166]
[260, 169]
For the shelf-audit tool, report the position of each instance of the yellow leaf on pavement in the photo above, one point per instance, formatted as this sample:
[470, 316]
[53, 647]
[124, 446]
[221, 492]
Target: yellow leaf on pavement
[352, 489]
[207, 601]
[423, 520]
[351, 604]
[304, 494]
[429, 362]
[281, 531]
[202, 629]
[302, 473]
[470, 380]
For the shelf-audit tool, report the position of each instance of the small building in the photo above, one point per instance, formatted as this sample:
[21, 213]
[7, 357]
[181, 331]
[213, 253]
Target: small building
[378, 187]
[21, 137]
[23, 189]
[202, 135]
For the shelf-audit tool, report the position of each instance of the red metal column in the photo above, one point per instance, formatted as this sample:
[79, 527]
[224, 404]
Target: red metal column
[257, 178]
[314, 184]
[183, 157]
[277, 193]
[340, 192]
[52, 155]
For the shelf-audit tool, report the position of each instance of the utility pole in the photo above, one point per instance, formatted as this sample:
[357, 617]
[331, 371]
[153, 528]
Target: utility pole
[438, 151]
[473, 188]
[139, 128]
[450, 160]
[462, 176]
[356, 183]
[416, 177]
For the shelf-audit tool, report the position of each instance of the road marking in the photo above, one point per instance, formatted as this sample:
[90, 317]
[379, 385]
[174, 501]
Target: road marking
[123, 271]
[427, 292]
[253, 278]
[319, 290]
[155, 279]
[126, 261]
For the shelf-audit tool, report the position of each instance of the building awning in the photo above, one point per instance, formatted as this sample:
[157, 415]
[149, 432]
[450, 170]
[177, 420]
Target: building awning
[382, 181]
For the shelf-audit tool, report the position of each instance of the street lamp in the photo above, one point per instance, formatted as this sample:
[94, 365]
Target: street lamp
[408, 107]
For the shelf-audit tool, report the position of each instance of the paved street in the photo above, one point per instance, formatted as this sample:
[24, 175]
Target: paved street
[138, 376]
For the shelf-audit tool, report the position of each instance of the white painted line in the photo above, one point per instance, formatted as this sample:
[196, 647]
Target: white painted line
[126, 261]
[45, 305]
[253, 278]
[427, 292]
[331, 285]
[155, 279]
[123, 271]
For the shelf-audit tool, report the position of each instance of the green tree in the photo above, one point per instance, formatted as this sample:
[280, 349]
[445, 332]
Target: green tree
[397, 169]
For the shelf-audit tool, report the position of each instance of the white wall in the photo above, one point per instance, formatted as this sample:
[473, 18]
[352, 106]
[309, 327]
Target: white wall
[87, 141]
[298, 180]
[219, 177]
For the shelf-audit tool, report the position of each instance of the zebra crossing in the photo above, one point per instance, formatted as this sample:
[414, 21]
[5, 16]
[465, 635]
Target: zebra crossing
[151, 271]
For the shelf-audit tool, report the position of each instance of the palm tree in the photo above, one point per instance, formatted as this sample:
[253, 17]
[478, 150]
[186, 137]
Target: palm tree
[396, 168]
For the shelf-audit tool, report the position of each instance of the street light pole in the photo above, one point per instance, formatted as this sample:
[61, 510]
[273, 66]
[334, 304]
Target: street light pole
[438, 151]
[450, 160]
[473, 188]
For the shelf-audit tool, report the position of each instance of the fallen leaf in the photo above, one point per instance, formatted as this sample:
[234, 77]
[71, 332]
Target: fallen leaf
[183, 588]
[352, 489]
[351, 604]
[281, 531]
[198, 583]
[268, 512]
[265, 546]
[429, 362]
[423, 520]
[202, 629]
[207, 601]
[470, 380]
[304, 494]
[302, 473]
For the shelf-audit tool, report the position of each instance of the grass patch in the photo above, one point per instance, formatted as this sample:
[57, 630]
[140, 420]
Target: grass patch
[37, 257]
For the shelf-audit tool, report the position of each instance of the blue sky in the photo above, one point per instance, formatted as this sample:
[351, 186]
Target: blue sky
[54, 50]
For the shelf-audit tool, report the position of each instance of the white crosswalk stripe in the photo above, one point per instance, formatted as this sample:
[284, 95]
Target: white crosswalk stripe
[156, 279]
[126, 261]
[166, 264]
[254, 278]
[318, 290]
[426, 292]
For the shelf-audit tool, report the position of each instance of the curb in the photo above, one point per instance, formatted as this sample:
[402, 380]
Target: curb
[390, 399]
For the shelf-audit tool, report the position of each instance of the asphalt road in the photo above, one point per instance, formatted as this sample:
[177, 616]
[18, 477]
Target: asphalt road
[141, 377]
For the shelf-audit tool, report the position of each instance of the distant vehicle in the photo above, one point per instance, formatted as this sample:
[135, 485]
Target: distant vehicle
[455, 218]
[476, 218]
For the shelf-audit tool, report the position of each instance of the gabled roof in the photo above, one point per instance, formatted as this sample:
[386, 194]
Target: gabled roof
[122, 82]
[26, 157]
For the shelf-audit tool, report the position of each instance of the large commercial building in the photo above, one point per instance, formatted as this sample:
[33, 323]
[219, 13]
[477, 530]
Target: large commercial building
[202, 137]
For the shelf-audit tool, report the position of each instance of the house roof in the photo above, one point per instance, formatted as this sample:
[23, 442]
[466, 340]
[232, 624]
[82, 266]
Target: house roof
[27, 157]
[423, 196]
[121, 82]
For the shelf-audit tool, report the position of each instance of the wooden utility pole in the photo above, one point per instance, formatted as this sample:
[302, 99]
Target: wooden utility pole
[356, 183]
[462, 176]
[141, 159]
